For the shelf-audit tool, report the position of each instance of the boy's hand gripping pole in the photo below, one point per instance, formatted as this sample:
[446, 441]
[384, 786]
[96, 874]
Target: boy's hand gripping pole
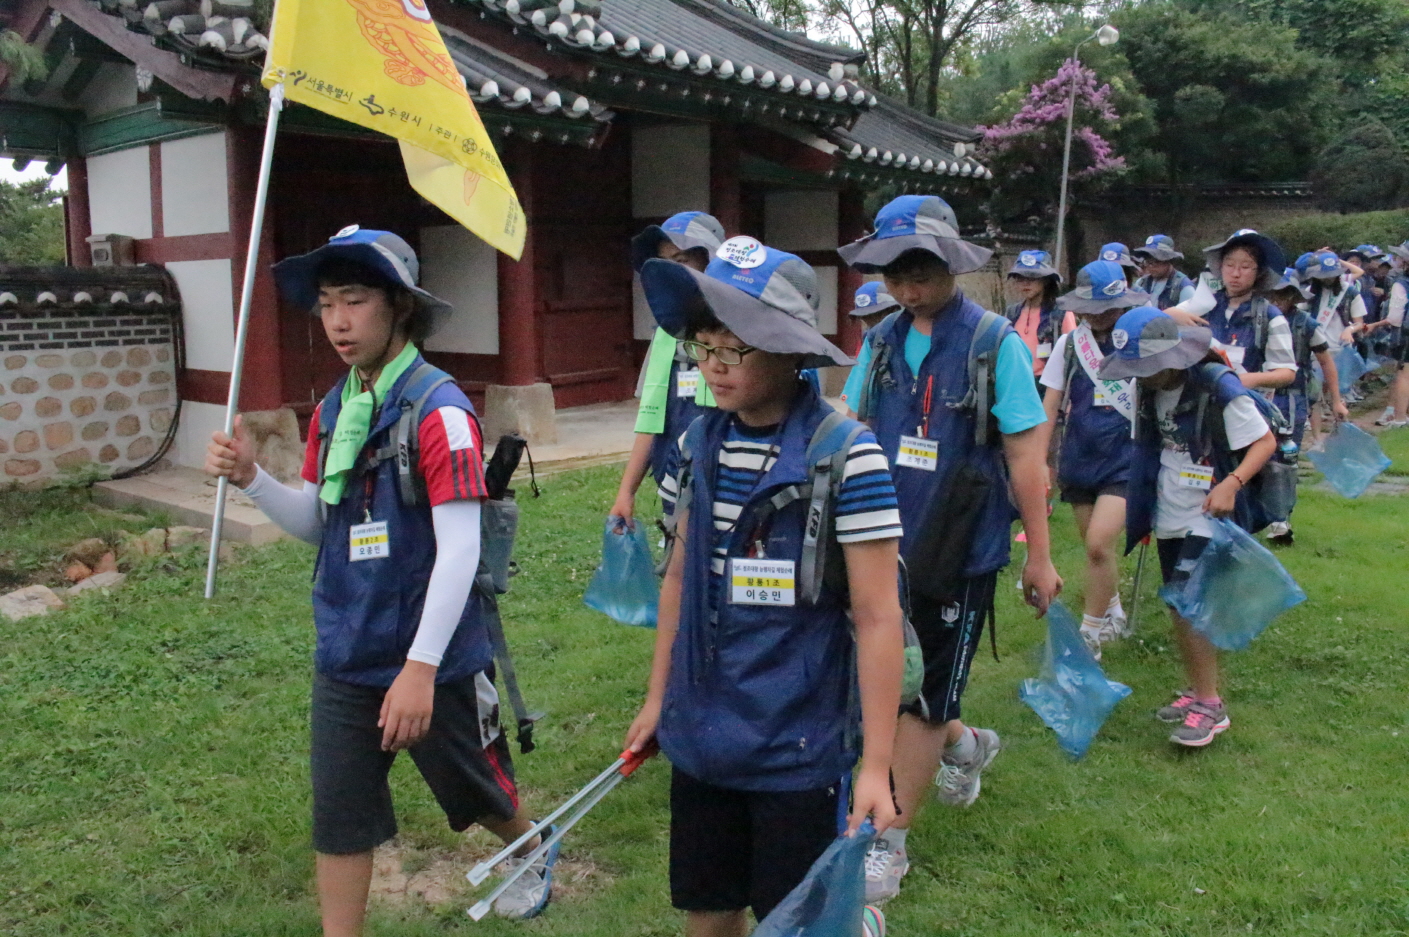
[619, 769]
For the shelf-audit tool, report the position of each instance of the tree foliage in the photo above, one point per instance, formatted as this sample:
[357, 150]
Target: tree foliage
[31, 223]
[1362, 170]
[1307, 233]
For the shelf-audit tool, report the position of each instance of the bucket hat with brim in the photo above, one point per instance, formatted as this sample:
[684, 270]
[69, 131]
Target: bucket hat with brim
[1319, 265]
[1117, 253]
[1274, 259]
[766, 297]
[1158, 247]
[915, 222]
[1290, 280]
[1400, 251]
[1148, 341]
[1101, 286]
[1034, 265]
[686, 230]
[385, 253]
[872, 298]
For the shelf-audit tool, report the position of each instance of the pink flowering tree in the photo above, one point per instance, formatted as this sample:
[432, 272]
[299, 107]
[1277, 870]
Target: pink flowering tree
[1025, 151]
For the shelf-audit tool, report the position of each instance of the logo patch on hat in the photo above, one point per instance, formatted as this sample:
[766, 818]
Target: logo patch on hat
[863, 300]
[1029, 258]
[1241, 231]
[743, 252]
[347, 232]
[1114, 288]
[1120, 338]
[1110, 255]
[1152, 239]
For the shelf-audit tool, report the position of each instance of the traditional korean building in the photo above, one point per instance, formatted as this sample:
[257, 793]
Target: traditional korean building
[609, 115]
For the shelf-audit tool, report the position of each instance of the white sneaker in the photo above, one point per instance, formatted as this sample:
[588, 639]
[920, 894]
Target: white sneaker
[1092, 637]
[885, 867]
[959, 784]
[1386, 417]
[530, 893]
[1276, 529]
[1120, 625]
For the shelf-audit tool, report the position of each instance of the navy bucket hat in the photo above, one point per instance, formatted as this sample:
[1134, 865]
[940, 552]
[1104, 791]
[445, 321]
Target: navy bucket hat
[1117, 253]
[1274, 259]
[873, 298]
[1148, 341]
[1034, 265]
[767, 297]
[915, 222]
[385, 253]
[686, 230]
[1158, 247]
[1101, 286]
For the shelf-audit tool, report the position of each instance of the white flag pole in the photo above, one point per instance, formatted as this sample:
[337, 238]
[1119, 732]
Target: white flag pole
[266, 161]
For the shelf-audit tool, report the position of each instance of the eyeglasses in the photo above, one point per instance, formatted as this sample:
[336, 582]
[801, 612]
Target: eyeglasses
[725, 354]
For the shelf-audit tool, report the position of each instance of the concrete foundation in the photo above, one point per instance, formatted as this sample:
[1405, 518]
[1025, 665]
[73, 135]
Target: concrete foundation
[527, 410]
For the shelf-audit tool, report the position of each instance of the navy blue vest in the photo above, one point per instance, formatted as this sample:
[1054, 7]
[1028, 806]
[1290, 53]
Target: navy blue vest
[758, 696]
[1205, 439]
[1096, 443]
[1169, 296]
[1047, 323]
[367, 612]
[1239, 328]
[899, 410]
[680, 412]
[1303, 329]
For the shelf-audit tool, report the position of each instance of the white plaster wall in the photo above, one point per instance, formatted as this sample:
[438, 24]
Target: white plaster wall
[801, 219]
[827, 296]
[198, 421]
[669, 169]
[462, 270]
[194, 196]
[208, 312]
[120, 192]
[112, 88]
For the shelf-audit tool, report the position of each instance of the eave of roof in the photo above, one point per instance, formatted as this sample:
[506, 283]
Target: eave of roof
[897, 138]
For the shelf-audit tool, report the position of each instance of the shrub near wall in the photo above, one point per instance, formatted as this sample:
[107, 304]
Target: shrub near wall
[1299, 235]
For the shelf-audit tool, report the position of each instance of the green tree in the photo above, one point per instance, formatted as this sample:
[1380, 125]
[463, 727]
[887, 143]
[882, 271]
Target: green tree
[1362, 170]
[31, 223]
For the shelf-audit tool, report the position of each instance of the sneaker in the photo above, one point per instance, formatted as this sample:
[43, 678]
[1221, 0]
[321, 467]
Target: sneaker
[529, 894]
[1386, 417]
[873, 922]
[1396, 424]
[1201, 725]
[1120, 625]
[1178, 710]
[1092, 637]
[885, 867]
[959, 784]
[1283, 538]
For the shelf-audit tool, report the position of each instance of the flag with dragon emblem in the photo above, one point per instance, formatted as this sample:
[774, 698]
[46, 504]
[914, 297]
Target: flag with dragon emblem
[382, 64]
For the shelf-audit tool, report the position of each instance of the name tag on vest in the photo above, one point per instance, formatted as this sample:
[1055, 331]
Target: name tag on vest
[918, 453]
[761, 582]
[368, 542]
[1196, 476]
[687, 383]
[1044, 349]
[1236, 353]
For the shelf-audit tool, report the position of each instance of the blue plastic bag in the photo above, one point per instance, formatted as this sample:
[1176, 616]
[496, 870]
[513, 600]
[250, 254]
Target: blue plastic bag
[624, 587]
[1350, 367]
[1350, 459]
[1072, 695]
[829, 901]
[1236, 589]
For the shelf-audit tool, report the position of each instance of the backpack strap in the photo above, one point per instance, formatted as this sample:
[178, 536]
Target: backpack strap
[983, 360]
[405, 443]
[877, 368]
[826, 453]
[1260, 317]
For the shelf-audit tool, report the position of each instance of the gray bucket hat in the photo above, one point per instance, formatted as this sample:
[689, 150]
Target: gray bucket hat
[915, 222]
[1148, 341]
[1034, 265]
[686, 230]
[1399, 250]
[1100, 287]
[872, 298]
[767, 297]
[1158, 247]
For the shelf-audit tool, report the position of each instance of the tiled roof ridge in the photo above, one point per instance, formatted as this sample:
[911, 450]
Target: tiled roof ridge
[723, 10]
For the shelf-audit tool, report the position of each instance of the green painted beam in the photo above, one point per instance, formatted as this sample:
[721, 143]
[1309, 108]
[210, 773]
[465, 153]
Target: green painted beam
[31, 130]
[135, 126]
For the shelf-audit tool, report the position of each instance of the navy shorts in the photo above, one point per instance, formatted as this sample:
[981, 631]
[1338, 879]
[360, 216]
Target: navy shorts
[949, 635]
[1177, 557]
[1072, 494]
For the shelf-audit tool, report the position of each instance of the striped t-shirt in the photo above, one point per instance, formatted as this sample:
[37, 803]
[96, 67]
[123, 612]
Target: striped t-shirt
[866, 508]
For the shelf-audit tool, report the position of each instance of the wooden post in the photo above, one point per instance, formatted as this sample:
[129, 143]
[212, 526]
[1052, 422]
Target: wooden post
[78, 222]
[851, 225]
[264, 388]
[724, 196]
[518, 293]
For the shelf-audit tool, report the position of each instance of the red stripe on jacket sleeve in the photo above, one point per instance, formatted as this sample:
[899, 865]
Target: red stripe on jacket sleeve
[451, 474]
[310, 452]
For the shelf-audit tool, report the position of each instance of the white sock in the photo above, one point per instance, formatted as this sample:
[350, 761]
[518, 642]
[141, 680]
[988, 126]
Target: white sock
[894, 839]
[963, 751]
[1114, 607]
[1093, 622]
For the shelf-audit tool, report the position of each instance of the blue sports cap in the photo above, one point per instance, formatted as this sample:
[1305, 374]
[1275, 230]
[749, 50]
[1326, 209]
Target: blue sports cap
[1158, 247]
[686, 230]
[915, 222]
[873, 298]
[385, 253]
[1101, 286]
[1034, 265]
[1148, 341]
[767, 297]
[1117, 253]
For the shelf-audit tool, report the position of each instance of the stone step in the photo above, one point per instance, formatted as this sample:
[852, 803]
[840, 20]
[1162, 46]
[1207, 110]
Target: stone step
[187, 496]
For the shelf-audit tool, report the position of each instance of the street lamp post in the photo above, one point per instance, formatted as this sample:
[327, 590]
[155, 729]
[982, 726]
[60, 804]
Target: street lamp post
[1106, 35]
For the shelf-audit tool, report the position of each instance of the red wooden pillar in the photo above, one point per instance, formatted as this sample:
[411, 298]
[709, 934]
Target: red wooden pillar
[518, 293]
[78, 222]
[725, 202]
[262, 387]
[852, 223]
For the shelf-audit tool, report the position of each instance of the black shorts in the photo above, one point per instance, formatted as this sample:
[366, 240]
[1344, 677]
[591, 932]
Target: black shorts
[471, 780]
[949, 637]
[1177, 556]
[732, 849]
[1071, 494]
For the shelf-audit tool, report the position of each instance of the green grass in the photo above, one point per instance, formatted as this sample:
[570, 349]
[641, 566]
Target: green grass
[154, 759]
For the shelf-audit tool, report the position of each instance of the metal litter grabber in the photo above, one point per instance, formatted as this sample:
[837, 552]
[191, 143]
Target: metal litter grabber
[588, 797]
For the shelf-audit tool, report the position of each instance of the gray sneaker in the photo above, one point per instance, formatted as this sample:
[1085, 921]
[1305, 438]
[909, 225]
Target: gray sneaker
[529, 894]
[885, 867]
[1201, 726]
[959, 783]
[1178, 710]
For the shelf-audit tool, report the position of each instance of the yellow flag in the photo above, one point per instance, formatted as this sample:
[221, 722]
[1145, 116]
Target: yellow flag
[382, 64]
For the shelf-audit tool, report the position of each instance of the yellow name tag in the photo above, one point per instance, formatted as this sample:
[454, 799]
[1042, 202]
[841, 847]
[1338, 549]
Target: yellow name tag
[1044, 349]
[1196, 476]
[368, 542]
[918, 453]
[761, 582]
[687, 383]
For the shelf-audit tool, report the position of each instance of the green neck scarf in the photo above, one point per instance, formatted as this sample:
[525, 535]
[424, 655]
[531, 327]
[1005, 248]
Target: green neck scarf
[355, 422]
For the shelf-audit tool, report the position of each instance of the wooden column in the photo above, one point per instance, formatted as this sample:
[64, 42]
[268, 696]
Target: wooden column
[262, 387]
[78, 222]
[724, 196]
[518, 293]
[852, 223]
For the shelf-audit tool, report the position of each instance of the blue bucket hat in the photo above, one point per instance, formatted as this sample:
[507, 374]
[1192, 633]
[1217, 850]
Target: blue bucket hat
[1117, 253]
[1101, 286]
[385, 253]
[915, 222]
[767, 297]
[1159, 247]
[1148, 341]
[1319, 265]
[1034, 265]
[686, 230]
[1290, 280]
[1274, 259]
[1366, 251]
[873, 298]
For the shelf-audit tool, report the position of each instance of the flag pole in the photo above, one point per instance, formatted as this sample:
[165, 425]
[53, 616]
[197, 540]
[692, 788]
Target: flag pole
[266, 161]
